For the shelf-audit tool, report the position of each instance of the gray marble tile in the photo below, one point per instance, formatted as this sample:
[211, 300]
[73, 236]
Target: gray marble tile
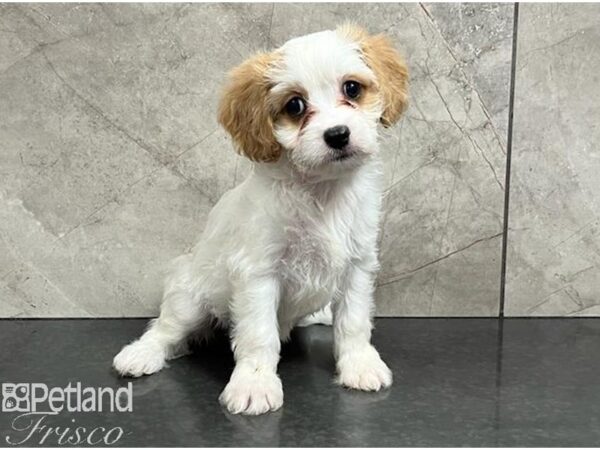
[554, 239]
[479, 36]
[440, 245]
[108, 172]
[111, 155]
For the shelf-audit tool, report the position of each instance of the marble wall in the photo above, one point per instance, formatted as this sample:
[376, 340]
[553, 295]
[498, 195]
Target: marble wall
[553, 264]
[111, 157]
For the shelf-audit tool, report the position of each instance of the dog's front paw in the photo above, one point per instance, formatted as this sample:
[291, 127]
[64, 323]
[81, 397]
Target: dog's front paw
[142, 357]
[363, 369]
[252, 392]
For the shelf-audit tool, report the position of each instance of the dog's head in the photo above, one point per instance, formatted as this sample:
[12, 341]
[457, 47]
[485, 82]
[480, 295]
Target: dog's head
[318, 99]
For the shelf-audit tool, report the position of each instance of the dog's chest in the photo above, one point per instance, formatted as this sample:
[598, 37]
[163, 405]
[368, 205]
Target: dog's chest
[315, 257]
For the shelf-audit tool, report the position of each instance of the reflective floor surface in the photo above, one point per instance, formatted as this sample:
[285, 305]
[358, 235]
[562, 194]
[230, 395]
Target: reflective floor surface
[458, 382]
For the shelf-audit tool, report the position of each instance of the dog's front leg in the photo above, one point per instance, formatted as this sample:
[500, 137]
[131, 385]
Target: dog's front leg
[359, 365]
[254, 387]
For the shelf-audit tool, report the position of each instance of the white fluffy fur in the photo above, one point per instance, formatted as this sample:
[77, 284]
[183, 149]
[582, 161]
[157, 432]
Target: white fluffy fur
[296, 238]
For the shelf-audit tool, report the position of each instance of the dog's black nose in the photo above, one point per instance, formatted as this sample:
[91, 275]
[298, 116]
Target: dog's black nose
[337, 137]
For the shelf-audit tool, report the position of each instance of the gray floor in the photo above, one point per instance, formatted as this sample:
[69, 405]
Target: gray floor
[458, 382]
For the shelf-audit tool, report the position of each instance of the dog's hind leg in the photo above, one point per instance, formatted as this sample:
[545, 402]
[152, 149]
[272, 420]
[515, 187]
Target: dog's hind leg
[182, 313]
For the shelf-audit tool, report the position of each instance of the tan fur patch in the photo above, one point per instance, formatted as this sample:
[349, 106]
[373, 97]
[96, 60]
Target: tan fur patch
[389, 68]
[245, 112]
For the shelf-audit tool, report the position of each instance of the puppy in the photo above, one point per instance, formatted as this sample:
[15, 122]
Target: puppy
[299, 235]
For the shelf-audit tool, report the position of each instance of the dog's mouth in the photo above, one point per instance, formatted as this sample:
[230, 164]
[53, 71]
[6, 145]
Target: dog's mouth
[344, 155]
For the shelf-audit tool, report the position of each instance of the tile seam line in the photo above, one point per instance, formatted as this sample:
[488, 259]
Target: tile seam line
[445, 318]
[509, 145]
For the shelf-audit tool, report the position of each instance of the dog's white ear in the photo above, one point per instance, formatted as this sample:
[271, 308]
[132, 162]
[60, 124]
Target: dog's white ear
[389, 68]
[244, 110]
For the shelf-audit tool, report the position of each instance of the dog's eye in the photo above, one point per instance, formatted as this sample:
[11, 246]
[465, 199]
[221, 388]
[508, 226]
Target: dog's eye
[352, 89]
[295, 107]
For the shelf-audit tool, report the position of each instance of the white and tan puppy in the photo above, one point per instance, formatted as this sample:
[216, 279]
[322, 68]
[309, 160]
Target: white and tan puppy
[299, 235]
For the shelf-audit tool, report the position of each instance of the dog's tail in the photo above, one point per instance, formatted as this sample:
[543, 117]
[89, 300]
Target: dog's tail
[321, 317]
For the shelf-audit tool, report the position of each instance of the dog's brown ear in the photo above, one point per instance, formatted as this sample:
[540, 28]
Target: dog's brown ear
[245, 112]
[389, 68]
